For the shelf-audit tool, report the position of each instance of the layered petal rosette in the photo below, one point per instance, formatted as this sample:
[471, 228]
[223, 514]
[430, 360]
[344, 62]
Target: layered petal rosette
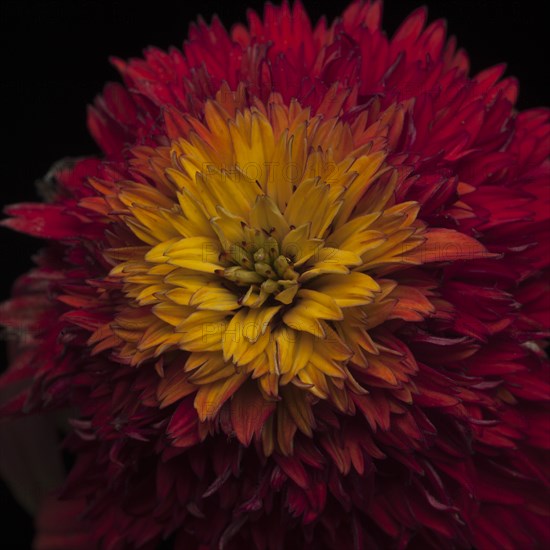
[300, 302]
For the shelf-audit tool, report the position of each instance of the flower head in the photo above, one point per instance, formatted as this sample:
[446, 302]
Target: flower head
[265, 251]
[297, 304]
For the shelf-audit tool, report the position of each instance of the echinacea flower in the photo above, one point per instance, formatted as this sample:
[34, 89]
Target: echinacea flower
[301, 301]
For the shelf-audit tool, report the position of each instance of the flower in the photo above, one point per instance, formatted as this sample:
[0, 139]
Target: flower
[254, 254]
[300, 302]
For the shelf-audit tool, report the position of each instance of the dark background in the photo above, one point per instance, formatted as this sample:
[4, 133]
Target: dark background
[54, 61]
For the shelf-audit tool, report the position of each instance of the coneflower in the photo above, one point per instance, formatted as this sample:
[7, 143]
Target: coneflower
[301, 301]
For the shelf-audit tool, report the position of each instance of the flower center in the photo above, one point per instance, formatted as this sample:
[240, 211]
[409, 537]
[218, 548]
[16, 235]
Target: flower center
[262, 268]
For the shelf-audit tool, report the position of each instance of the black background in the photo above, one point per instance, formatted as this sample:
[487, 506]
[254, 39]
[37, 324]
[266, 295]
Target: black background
[54, 61]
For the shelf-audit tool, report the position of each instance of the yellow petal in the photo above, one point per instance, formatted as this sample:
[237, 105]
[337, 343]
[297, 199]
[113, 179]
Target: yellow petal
[266, 215]
[297, 245]
[353, 289]
[230, 230]
[202, 331]
[196, 253]
[211, 397]
[215, 299]
[330, 260]
[311, 307]
[194, 218]
[209, 373]
[294, 348]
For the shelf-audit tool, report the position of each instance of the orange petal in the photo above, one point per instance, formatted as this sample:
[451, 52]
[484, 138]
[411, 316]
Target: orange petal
[249, 411]
[447, 245]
